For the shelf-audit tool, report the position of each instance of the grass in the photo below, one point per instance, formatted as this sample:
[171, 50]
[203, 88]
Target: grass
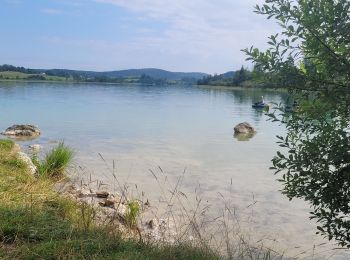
[132, 213]
[6, 145]
[55, 162]
[14, 75]
[38, 223]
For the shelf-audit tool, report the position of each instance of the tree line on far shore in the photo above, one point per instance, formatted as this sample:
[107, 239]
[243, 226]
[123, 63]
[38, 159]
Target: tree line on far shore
[239, 78]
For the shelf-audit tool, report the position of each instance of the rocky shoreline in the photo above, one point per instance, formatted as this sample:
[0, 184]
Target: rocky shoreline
[110, 208]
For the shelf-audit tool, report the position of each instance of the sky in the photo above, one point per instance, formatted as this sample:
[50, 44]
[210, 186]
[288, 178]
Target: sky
[103, 35]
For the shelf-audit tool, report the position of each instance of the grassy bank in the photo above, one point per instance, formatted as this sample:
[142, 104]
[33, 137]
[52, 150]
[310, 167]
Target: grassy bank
[38, 223]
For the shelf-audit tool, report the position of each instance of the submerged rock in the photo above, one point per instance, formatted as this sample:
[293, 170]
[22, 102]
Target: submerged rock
[29, 131]
[35, 147]
[244, 128]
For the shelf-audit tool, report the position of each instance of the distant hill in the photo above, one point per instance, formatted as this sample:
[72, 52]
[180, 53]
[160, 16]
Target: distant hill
[154, 73]
[144, 76]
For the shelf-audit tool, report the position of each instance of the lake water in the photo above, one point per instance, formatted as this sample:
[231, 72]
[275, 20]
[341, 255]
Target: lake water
[175, 128]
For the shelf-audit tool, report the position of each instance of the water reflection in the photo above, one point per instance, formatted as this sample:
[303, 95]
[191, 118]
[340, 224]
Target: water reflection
[21, 138]
[244, 137]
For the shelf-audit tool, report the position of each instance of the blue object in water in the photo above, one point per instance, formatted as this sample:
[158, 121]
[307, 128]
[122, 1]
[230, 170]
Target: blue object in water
[259, 105]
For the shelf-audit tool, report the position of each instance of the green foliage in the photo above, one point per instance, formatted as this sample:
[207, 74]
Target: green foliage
[55, 162]
[7, 67]
[233, 78]
[240, 76]
[312, 51]
[132, 213]
[15, 162]
[44, 234]
[311, 57]
[17, 75]
[145, 79]
[316, 168]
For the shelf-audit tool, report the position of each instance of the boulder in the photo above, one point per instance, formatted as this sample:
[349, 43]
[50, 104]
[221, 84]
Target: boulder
[244, 128]
[22, 131]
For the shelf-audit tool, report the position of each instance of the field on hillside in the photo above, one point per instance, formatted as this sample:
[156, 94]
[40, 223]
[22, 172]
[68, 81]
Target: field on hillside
[14, 75]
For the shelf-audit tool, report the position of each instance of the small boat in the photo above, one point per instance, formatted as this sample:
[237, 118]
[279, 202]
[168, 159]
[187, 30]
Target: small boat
[259, 105]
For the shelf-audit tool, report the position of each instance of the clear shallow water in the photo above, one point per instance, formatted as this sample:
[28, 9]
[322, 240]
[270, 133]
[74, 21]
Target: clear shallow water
[176, 128]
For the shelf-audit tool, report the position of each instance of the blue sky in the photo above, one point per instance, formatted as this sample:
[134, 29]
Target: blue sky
[177, 35]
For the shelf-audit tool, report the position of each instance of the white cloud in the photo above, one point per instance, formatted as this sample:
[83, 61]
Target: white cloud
[207, 35]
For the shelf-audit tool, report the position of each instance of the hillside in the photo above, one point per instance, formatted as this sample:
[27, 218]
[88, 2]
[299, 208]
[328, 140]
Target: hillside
[15, 75]
[152, 72]
[142, 76]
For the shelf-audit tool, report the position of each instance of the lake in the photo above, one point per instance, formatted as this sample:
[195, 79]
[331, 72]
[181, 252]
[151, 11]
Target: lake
[175, 128]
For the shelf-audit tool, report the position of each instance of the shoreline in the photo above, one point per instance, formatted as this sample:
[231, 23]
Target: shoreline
[283, 90]
[109, 206]
[63, 82]
[50, 217]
